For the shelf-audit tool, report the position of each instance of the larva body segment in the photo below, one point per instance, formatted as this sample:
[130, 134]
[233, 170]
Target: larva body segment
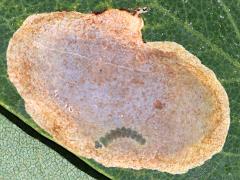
[99, 90]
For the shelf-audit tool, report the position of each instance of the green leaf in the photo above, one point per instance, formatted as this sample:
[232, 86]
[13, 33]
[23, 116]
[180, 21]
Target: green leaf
[23, 157]
[208, 29]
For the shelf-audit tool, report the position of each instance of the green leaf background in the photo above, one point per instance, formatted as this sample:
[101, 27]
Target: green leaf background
[207, 28]
[23, 157]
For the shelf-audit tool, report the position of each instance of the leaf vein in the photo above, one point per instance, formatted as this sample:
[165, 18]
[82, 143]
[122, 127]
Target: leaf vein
[231, 19]
[202, 37]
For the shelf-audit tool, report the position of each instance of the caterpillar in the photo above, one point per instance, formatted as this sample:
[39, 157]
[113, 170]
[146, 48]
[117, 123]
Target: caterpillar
[119, 133]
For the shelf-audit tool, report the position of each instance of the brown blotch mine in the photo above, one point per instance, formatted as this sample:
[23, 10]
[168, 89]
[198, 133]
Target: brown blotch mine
[100, 67]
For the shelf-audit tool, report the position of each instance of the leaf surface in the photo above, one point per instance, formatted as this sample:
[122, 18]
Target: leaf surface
[208, 29]
[24, 157]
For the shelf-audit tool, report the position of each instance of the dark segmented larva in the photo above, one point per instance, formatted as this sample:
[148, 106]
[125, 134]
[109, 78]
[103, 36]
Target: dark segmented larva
[119, 133]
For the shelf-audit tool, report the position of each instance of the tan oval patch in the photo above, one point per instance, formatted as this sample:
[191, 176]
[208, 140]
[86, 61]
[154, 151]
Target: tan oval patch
[103, 93]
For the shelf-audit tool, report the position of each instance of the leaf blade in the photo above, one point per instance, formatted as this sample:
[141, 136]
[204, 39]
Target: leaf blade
[25, 157]
[173, 21]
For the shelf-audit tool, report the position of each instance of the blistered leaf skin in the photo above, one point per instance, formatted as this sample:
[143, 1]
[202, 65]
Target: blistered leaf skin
[87, 79]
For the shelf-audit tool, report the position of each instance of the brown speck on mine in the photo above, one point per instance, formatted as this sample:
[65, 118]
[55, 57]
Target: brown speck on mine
[157, 104]
[56, 128]
[137, 81]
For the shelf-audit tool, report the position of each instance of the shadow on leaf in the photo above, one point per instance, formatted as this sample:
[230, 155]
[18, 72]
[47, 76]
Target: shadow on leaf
[81, 165]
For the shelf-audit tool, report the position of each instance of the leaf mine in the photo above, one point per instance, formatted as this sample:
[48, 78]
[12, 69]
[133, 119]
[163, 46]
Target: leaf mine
[92, 83]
